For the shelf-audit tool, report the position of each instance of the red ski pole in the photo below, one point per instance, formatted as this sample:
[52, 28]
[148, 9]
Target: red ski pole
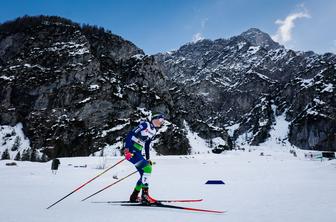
[81, 186]
[110, 185]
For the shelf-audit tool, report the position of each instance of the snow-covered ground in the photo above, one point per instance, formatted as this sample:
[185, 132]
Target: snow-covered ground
[274, 187]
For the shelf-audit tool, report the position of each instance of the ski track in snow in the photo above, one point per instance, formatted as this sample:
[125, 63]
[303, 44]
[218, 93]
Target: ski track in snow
[275, 187]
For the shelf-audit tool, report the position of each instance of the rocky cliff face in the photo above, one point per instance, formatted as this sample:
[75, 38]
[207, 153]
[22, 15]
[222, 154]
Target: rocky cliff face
[77, 89]
[237, 81]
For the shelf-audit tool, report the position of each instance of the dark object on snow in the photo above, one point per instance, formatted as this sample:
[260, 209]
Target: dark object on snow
[214, 182]
[54, 165]
[11, 164]
[330, 155]
[217, 151]
[220, 148]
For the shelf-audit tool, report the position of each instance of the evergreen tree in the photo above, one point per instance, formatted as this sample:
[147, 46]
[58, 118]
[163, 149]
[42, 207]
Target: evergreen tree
[5, 155]
[25, 155]
[16, 144]
[18, 156]
[33, 156]
[44, 158]
[211, 143]
[13, 133]
[102, 152]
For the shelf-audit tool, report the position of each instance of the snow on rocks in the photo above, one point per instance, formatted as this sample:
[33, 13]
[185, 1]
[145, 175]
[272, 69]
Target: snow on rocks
[13, 139]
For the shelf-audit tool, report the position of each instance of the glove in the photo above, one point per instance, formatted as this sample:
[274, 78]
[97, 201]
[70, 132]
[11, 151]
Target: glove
[128, 154]
[150, 162]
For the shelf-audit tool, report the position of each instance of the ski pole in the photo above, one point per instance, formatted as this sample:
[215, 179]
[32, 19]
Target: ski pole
[81, 186]
[110, 185]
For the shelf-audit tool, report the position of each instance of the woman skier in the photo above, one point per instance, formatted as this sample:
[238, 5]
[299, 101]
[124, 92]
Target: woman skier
[137, 139]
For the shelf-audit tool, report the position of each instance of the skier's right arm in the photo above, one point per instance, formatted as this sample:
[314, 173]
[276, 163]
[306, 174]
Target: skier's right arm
[139, 128]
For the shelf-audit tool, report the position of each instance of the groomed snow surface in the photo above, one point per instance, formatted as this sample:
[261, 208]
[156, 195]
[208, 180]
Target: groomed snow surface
[274, 187]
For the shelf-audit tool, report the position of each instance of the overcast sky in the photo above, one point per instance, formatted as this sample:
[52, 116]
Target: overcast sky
[164, 25]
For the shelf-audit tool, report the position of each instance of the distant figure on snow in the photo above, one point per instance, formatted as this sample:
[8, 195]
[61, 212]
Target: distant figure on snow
[137, 139]
[54, 165]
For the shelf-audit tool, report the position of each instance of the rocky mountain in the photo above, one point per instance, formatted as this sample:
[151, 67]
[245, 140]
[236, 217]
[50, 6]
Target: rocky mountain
[245, 82]
[78, 89]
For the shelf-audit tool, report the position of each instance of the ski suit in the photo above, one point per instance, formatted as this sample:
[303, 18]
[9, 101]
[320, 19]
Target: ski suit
[137, 140]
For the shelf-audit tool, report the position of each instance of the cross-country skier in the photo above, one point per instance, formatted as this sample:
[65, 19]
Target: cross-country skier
[137, 140]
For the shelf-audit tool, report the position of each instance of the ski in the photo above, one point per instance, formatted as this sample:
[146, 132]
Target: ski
[160, 201]
[161, 205]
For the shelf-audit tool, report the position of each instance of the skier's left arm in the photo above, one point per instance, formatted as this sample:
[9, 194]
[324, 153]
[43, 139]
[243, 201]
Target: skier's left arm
[147, 146]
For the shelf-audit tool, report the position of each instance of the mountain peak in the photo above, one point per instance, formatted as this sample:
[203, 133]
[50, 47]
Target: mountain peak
[257, 37]
[253, 31]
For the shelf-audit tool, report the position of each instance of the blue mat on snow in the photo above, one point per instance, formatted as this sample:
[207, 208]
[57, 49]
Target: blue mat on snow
[214, 182]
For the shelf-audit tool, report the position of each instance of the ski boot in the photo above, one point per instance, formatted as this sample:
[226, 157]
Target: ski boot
[134, 196]
[145, 198]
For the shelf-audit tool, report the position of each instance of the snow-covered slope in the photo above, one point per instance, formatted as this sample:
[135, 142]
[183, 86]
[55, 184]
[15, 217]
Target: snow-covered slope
[275, 187]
